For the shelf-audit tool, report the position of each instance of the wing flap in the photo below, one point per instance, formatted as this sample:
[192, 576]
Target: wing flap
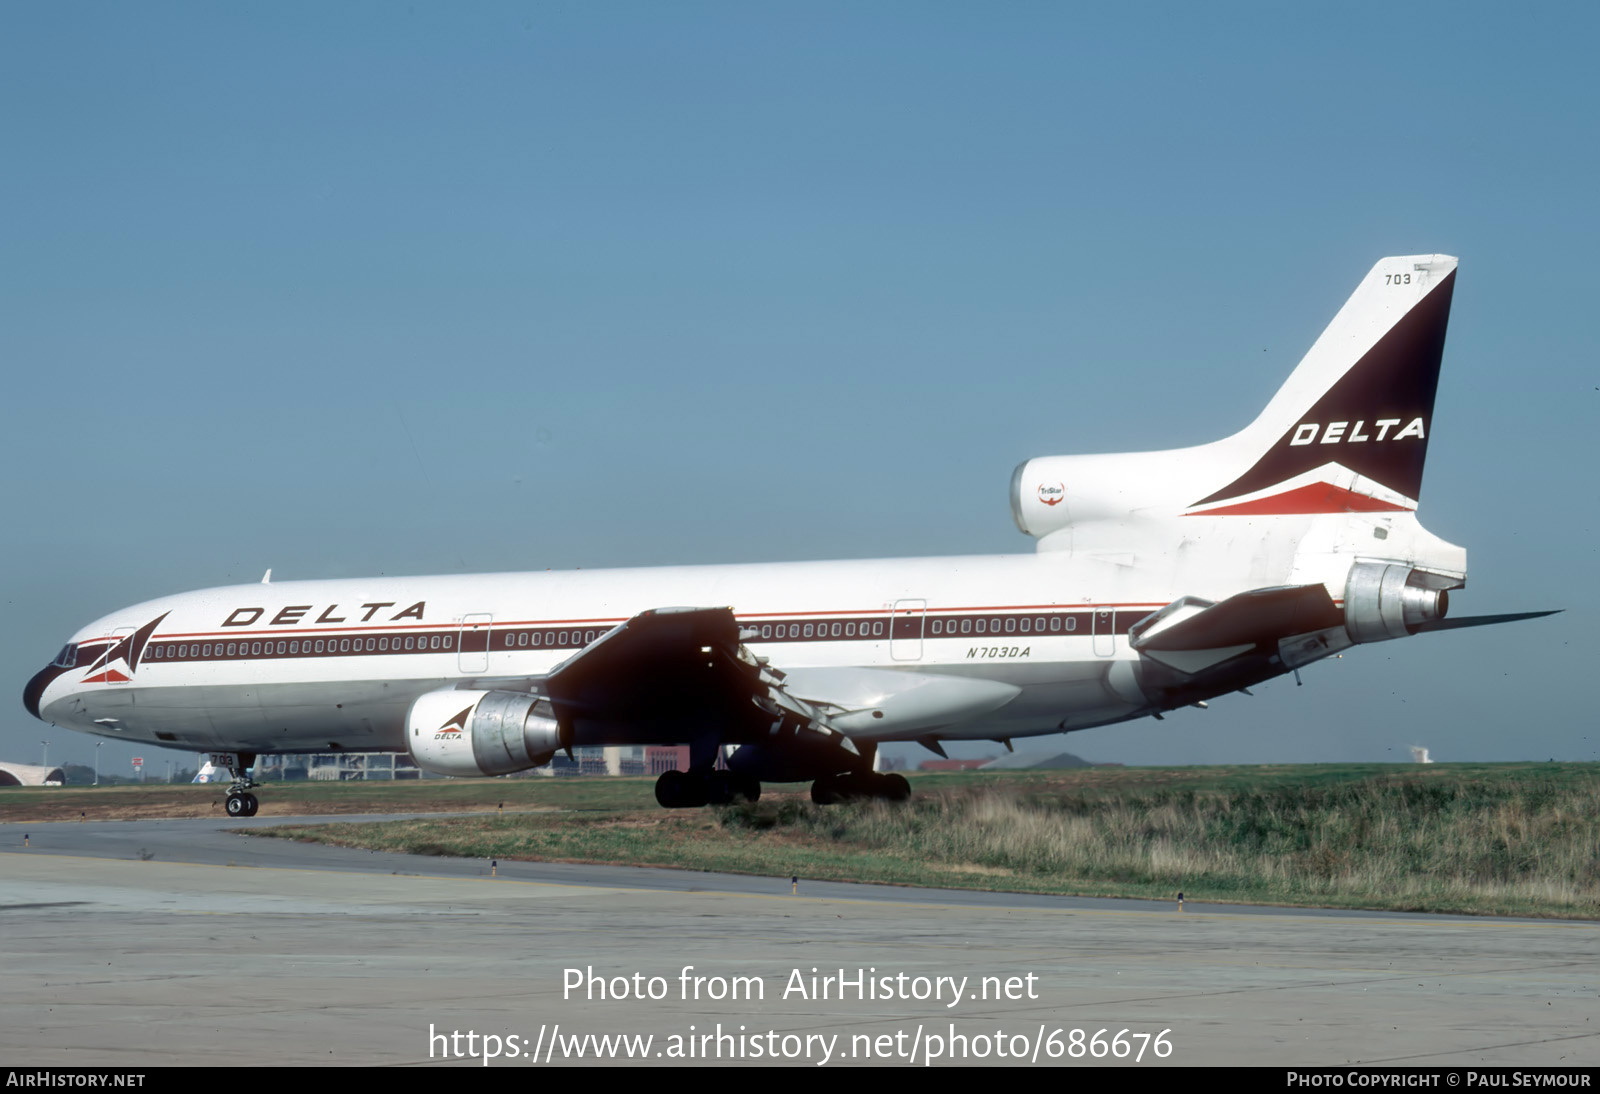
[681, 673]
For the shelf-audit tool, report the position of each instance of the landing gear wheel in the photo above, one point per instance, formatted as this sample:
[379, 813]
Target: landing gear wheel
[726, 787]
[721, 788]
[829, 790]
[677, 790]
[241, 803]
[854, 786]
[894, 788]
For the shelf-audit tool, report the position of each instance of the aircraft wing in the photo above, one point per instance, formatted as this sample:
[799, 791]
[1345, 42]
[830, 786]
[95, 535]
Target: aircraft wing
[684, 670]
[681, 671]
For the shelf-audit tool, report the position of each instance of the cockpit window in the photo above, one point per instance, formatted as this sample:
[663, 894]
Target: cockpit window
[68, 656]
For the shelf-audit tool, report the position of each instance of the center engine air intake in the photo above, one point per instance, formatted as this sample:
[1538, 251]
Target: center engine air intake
[1385, 600]
[475, 733]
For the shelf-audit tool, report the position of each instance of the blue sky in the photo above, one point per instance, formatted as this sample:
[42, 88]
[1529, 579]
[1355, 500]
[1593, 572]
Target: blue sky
[340, 289]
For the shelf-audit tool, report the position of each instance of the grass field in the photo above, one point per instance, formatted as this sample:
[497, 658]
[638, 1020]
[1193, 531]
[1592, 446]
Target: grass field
[156, 800]
[1515, 839]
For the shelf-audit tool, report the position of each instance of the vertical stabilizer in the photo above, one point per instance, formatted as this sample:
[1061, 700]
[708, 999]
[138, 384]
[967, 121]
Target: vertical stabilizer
[1349, 429]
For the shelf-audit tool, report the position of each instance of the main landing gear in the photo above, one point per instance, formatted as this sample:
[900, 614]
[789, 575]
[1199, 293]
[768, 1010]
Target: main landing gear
[856, 785]
[687, 790]
[242, 803]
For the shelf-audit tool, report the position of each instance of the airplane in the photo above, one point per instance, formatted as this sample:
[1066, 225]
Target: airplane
[1159, 580]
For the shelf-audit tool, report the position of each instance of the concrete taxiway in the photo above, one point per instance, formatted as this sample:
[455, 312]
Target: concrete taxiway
[169, 942]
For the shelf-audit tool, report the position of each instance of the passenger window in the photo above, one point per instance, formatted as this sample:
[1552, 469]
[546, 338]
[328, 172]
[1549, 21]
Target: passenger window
[1011, 625]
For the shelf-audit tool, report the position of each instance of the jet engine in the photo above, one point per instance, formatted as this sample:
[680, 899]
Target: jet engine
[475, 733]
[1384, 600]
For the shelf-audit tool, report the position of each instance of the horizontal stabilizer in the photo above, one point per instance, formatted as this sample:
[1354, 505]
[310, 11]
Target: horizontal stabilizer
[1482, 620]
[1261, 615]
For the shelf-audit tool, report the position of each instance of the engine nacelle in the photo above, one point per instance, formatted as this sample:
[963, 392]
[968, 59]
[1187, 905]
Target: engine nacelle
[1385, 600]
[476, 733]
[1049, 493]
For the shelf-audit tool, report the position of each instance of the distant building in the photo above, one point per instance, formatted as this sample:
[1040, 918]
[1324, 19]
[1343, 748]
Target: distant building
[30, 775]
[622, 760]
[336, 766]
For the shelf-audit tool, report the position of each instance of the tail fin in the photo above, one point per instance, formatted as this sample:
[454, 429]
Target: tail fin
[1348, 431]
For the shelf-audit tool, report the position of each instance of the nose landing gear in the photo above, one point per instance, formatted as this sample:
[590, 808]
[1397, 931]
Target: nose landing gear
[242, 803]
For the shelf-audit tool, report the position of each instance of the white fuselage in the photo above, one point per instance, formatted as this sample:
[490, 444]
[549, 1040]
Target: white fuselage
[211, 675]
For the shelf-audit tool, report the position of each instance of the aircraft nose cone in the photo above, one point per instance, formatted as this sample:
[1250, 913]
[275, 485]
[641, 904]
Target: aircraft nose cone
[35, 689]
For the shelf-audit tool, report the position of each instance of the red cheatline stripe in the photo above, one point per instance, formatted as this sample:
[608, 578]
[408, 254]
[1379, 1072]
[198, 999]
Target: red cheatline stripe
[376, 629]
[110, 676]
[1318, 497]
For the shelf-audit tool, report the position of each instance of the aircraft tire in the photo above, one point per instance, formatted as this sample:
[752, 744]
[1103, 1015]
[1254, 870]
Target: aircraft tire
[237, 806]
[893, 787]
[828, 790]
[721, 788]
[677, 790]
